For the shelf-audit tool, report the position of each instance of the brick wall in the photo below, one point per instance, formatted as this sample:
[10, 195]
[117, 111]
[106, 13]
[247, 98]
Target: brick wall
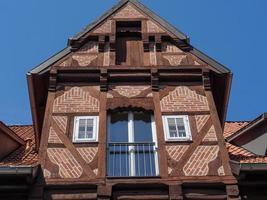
[211, 135]
[128, 12]
[61, 122]
[53, 137]
[198, 163]
[75, 100]
[130, 91]
[201, 120]
[87, 153]
[68, 166]
[183, 99]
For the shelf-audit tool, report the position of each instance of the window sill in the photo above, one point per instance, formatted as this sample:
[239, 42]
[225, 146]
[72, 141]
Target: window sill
[86, 144]
[133, 177]
[179, 141]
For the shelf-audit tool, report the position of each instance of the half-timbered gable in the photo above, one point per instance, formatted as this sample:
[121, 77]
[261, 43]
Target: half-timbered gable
[129, 110]
[128, 102]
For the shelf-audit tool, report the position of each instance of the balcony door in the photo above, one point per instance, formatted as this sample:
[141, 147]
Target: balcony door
[132, 144]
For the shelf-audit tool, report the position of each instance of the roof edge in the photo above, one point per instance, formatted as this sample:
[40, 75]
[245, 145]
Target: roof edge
[250, 125]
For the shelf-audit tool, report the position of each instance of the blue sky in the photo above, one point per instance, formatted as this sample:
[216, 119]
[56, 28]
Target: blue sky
[232, 32]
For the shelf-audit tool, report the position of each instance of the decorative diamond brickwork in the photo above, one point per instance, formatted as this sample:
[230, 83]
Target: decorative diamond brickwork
[87, 153]
[221, 171]
[184, 99]
[128, 12]
[153, 28]
[53, 137]
[176, 151]
[198, 163]
[104, 28]
[130, 91]
[211, 135]
[68, 166]
[61, 122]
[174, 60]
[201, 120]
[84, 59]
[75, 100]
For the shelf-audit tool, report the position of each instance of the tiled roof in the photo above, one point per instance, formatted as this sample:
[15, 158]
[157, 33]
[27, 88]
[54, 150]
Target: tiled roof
[244, 156]
[237, 153]
[24, 131]
[232, 127]
[22, 156]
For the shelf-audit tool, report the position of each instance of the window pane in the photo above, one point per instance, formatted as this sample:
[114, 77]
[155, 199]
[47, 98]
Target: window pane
[181, 127]
[118, 127]
[172, 127]
[89, 128]
[142, 127]
[81, 133]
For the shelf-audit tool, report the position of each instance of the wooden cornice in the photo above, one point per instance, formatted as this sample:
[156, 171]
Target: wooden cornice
[125, 74]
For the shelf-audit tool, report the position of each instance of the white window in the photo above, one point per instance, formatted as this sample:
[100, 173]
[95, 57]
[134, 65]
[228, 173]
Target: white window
[85, 129]
[176, 128]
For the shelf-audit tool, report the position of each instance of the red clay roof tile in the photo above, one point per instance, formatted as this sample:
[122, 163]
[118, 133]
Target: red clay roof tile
[22, 156]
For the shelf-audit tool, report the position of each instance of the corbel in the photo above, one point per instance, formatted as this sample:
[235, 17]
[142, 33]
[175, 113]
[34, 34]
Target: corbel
[206, 79]
[53, 80]
[175, 191]
[104, 191]
[232, 192]
[154, 79]
[104, 80]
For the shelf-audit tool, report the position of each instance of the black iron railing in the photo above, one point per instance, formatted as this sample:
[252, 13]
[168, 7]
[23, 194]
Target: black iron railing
[132, 159]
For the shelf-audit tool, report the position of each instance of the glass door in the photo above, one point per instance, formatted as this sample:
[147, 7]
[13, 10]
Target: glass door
[132, 144]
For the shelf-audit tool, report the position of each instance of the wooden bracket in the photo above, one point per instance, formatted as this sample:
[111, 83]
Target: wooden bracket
[154, 79]
[104, 191]
[206, 79]
[232, 192]
[53, 81]
[175, 192]
[104, 80]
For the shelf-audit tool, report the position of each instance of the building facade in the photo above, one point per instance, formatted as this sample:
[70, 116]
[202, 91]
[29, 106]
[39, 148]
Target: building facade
[128, 110]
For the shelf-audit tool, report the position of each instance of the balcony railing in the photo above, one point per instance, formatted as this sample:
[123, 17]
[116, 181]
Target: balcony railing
[132, 159]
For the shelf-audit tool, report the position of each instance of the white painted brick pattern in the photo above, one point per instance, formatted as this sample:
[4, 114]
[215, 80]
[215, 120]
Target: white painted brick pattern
[87, 153]
[68, 166]
[197, 164]
[201, 120]
[75, 100]
[130, 91]
[61, 122]
[184, 99]
[176, 151]
[211, 135]
[53, 137]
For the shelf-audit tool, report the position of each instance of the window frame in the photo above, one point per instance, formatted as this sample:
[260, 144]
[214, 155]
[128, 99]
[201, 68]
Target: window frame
[76, 129]
[131, 140]
[186, 125]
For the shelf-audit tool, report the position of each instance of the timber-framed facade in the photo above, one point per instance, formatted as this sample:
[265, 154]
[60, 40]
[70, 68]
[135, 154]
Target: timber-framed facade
[130, 110]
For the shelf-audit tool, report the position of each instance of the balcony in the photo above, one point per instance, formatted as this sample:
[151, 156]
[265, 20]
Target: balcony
[132, 159]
